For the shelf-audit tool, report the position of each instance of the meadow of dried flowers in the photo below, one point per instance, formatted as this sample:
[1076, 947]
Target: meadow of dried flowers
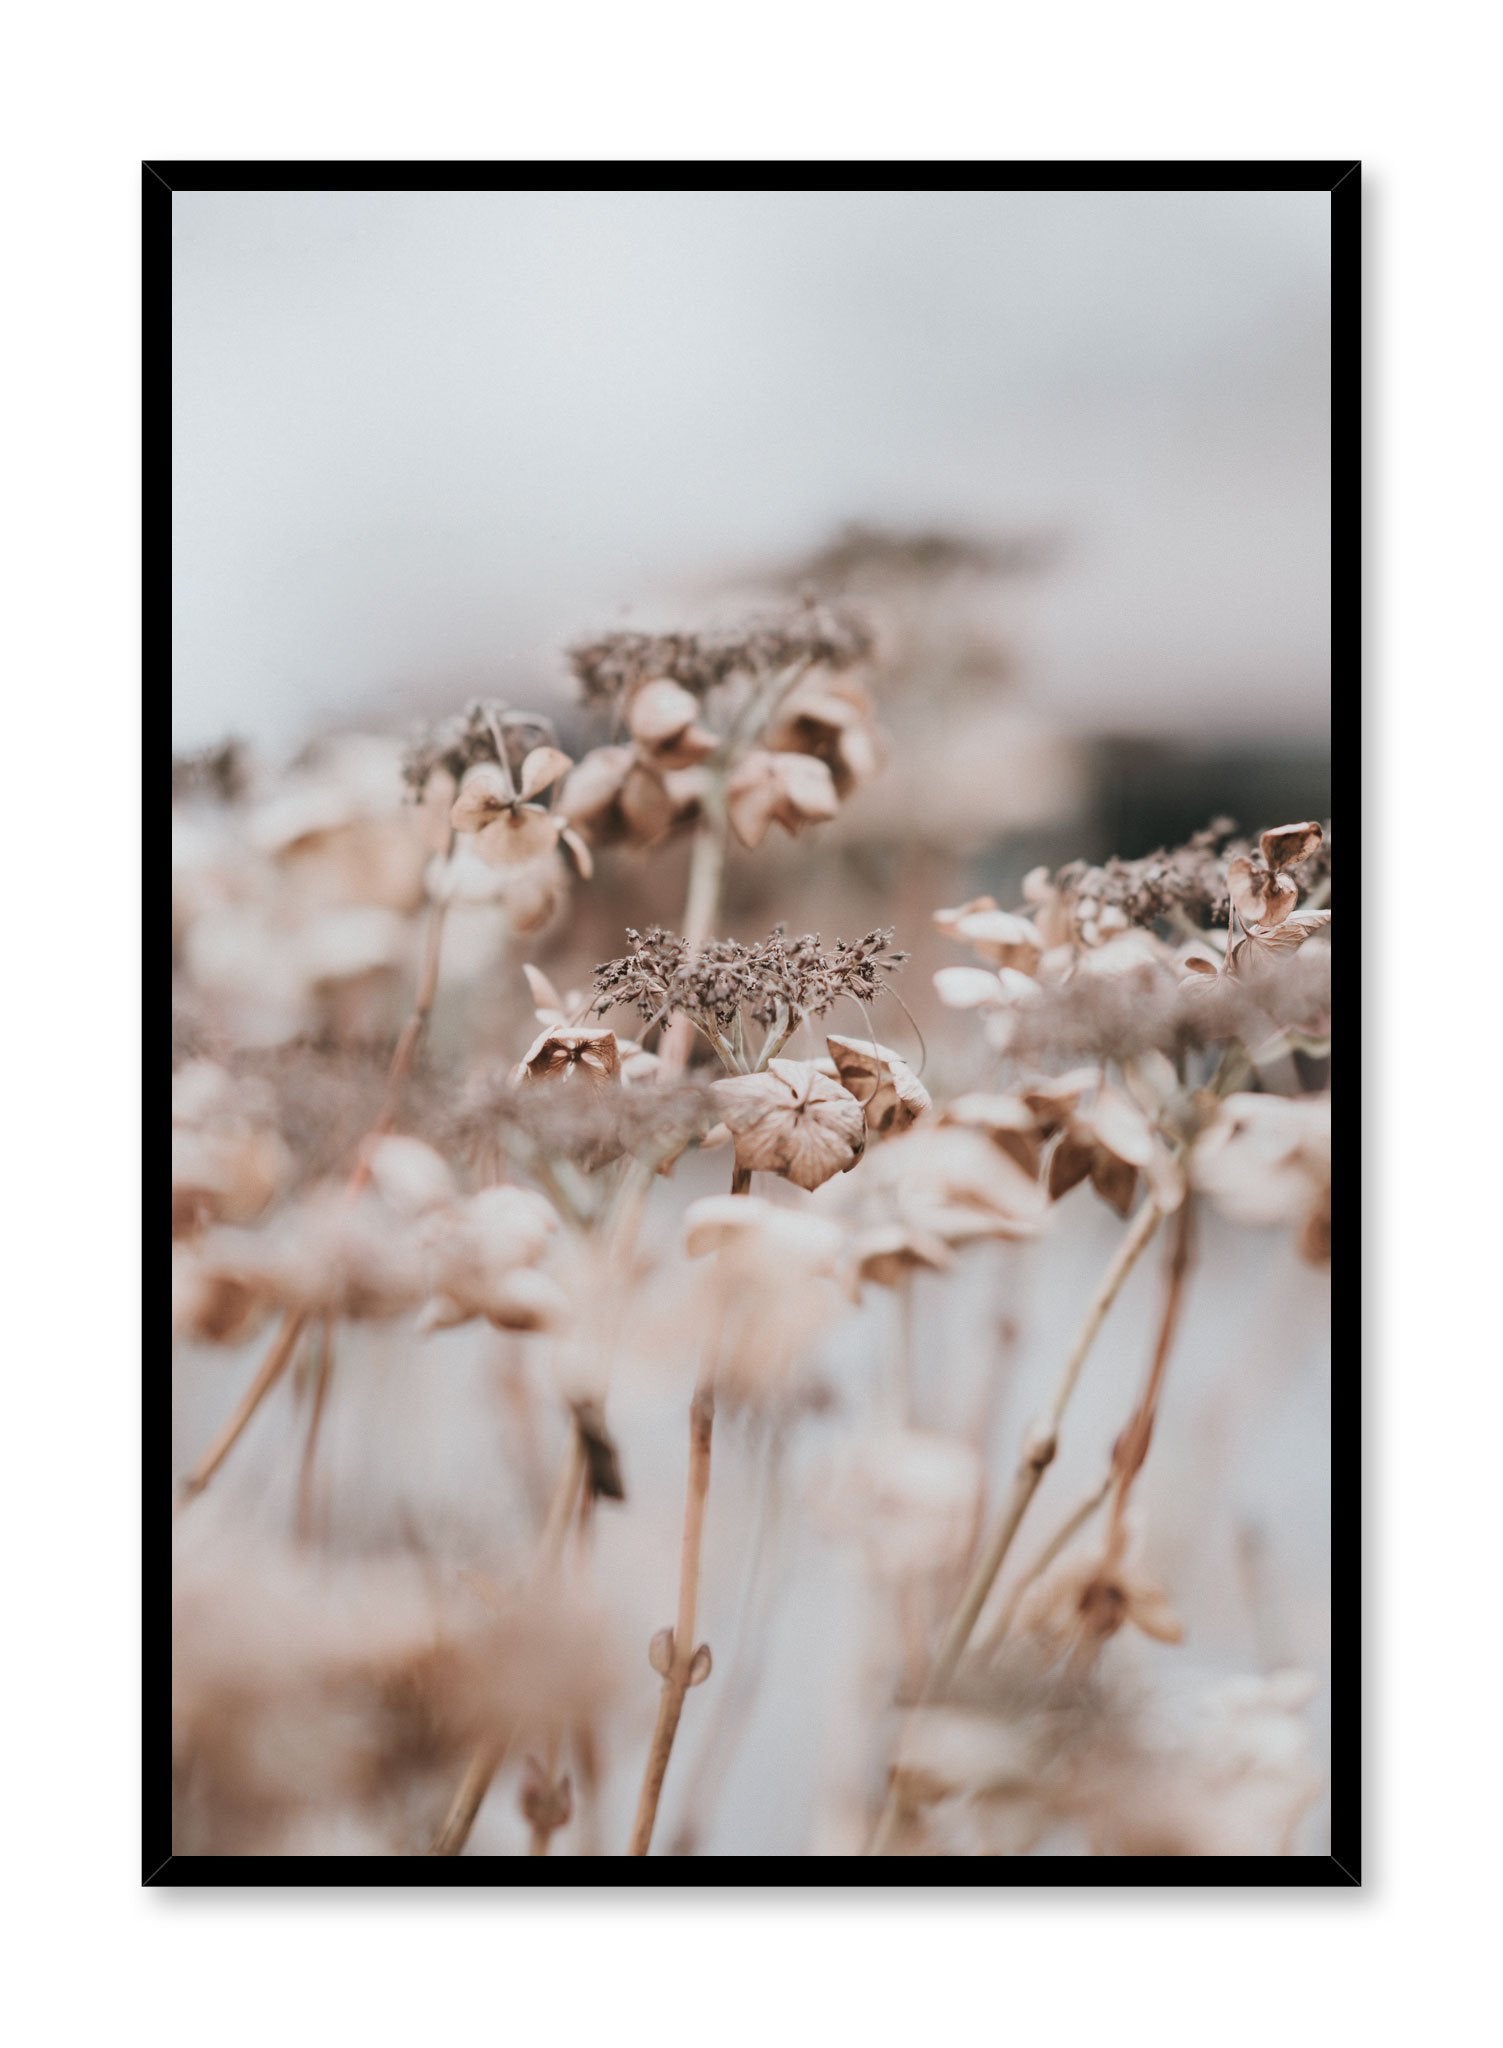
[595, 1404]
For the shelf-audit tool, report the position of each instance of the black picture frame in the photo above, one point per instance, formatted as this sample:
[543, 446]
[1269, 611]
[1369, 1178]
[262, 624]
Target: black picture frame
[1342, 180]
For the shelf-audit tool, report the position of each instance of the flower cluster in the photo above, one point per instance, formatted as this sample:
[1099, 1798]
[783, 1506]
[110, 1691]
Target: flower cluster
[791, 734]
[773, 982]
[613, 668]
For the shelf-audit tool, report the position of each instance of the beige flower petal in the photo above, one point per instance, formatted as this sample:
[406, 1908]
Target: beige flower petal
[718, 1223]
[751, 798]
[483, 795]
[592, 1054]
[647, 805]
[546, 1000]
[887, 1088]
[578, 851]
[1259, 896]
[541, 769]
[595, 783]
[967, 988]
[889, 1252]
[527, 1300]
[1285, 846]
[517, 836]
[791, 790]
[807, 790]
[793, 1121]
[1287, 937]
[659, 712]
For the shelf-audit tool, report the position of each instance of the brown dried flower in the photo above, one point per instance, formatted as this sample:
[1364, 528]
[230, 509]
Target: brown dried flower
[484, 731]
[832, 718]
[791, 790]
[663, 720]
[614, 667]
[793, 1121]
[775, 983]
[586, 1052]
[1100, 1134]
[885, 1085]
[510, 830]
[614, 795]
[1079, 1608]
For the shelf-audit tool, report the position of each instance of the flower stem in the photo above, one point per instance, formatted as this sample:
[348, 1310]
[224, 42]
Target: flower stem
[701, 906]
[676, 1681]
[1038, 1454]
[275, 1363]
[1058, 1543]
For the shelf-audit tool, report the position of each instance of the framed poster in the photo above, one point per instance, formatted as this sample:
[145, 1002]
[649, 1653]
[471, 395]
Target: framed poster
[751, 997]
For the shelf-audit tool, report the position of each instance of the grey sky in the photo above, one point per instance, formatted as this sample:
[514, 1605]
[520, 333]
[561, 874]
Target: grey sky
[421, 440]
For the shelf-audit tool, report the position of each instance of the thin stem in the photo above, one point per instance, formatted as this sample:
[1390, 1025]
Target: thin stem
[275, 1363]
[737, 1692]
[1132, 1446]
[711, 838]
[411, 1036]
[1055, 1548]
[469, 1798]
[1038, 1455]
[676, 1680]
[706, 871]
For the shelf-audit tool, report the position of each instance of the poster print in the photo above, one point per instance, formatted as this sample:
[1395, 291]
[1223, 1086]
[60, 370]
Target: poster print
[752, 1025]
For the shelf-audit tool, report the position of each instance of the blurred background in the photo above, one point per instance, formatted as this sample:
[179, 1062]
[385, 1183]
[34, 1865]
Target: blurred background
[422, 441]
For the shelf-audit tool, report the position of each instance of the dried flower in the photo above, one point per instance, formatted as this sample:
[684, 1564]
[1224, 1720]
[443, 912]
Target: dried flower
[955, 1185]
[1100, 1134]
[614, 667]
[1006, 1119]
[791, 1120]
[791, 790]
[888, 1254]
[831, 717]
[483, 1256]
[228, 1161]
[1080, 1607]
[511, 830]
[997, 935]
[612, 794]
[484, 732]
[776, 982]
[887, 1088]
[324, 1255]
[663, 720]
[1266, 1159]
[587, 1052]
[771, 1286]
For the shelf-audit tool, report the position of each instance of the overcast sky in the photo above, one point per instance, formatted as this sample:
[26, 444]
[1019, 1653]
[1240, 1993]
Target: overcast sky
[421, 440]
